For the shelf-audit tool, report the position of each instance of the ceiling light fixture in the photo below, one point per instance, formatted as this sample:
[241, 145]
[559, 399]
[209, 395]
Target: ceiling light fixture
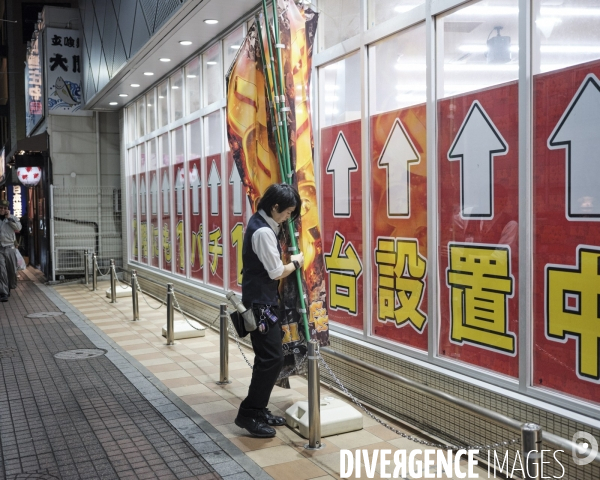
[123, 95]
[135, 85]
[165, 59]
[113, 103]
[191, 76]
[185, 42]
[211, 62]
[210, 21]
[148, 74]
[235, 47]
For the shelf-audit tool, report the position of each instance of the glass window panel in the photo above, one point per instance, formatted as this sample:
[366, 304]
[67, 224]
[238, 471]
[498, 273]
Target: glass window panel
[165, 203]
[339, 20]
[178, 201]
[391, 85]
[153, 200]
[477, 46]
[213, 74]
[231, 45]
[565, 33]
[143, 203]
[192, 85]
[131, 136]
[382, 10]
[194, 135]
[151, 111]
[163, 104]
[141, 117]
[214, 133]
[339, 91]
[176, 100]
[133, 204]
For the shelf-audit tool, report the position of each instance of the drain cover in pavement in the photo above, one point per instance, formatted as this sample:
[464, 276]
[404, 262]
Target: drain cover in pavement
[8, 352]
[80, 354]
[44, 314]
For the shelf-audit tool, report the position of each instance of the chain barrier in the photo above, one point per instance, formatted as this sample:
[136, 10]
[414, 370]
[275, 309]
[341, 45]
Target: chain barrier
[139, 289]
[100, 271]
[119, 281]
[184, 317]
[405, 435]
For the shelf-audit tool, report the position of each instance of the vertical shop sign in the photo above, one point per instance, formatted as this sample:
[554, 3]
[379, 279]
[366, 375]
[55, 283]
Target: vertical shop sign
[566, 257]
[399, 226]
[34, 84]
[214, 235]
[478, 253]
[342, 222]
[63, 67]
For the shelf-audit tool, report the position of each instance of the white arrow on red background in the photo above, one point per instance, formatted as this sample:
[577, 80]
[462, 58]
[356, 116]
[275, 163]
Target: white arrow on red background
[396, 157]
[578, 131]
[195, 185]
[214, 181]
[166, 188]
[340, 164]
[236, 181]
[179, 187]
[476, 144]
[143, 195]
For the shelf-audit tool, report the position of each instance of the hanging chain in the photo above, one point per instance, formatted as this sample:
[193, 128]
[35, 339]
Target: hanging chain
[184, 317]
[405, 435]
[139, 289]
[123, 285]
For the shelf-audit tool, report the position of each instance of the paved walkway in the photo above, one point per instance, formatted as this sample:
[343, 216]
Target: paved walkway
[144, 409]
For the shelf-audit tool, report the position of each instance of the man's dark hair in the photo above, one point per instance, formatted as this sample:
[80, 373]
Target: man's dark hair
[282, 195]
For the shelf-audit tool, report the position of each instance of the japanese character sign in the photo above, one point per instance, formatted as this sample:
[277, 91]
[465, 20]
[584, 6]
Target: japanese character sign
[343, 268]
[64, 95]
[400, 282]
[480, 281]
[573, 308]
[33, 87]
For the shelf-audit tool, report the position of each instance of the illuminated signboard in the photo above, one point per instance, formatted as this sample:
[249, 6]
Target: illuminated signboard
[34, 98]
[2, 166]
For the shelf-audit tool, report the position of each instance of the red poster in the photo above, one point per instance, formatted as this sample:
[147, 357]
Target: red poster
[196, 225]
[238, 211]
[214, 225]
[165, 218]
[399, 213]
[341, 174]
[178, 193]
[478, 230]
[566, 206]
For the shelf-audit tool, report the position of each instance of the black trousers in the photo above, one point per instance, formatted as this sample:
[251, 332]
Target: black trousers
[268, 362]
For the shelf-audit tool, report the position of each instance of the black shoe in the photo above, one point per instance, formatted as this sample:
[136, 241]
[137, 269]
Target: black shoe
[256, 426]
[3, 298]
[273, 420]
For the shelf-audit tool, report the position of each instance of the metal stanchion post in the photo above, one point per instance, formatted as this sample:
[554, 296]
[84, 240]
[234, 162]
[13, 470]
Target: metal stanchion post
[86, 266]
[170, 315]
[224, 344]
[94, 273]
[531, 442]
[314, 398]
[134, 296]
[113, 282]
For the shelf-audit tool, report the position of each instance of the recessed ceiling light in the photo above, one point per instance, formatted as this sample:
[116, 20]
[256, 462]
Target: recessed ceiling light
[135, 85]
[165, 59]
[123, 95]
[175, 87]
[211, 62]
[236, 47]
[210, 21]
[149, 104]
[191, 76]
[185, 42]
[113, 103]
[148, 74]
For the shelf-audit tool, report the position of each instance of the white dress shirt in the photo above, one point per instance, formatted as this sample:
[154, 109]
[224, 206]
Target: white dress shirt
[264, 244]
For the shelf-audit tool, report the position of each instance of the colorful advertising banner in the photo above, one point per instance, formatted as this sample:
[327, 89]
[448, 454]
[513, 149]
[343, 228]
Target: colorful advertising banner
[478, 231]
[34, 84]
[239, 212]
[566, 259]
[63, 69]
[341, 173]
[399, 226]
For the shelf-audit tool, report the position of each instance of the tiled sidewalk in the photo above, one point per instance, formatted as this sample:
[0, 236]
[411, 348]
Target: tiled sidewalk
[186, 375]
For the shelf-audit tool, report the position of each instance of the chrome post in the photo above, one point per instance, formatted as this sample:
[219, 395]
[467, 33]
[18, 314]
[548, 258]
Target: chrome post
[86, 266]
[224, 344]
[113, 282]
[170, 315]
[531, 443]
[134, 296]
[314, 398]
[94, 272]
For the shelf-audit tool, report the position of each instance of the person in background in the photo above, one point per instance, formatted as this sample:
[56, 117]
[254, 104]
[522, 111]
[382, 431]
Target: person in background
[9, 225]
[263, 268]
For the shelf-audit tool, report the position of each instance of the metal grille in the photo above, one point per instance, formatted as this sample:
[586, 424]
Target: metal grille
[85, 218]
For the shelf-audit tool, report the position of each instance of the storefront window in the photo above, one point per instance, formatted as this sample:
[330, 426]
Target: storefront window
[196, 200]
[141, 117]
[179, 201]
[478, 188]
[151, 111]
[153, 205]
[163, 104]
[339, 91]
[382, 10]
[165, 203]
[133, 203]
[339, 20]
[212, 77]
[176, 100]
[231, 45]
[143, 201]
[399, 188]
[192, 85]
[131, 130]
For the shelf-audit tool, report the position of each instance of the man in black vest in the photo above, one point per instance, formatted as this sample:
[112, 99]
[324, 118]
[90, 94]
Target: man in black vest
[262, 271]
